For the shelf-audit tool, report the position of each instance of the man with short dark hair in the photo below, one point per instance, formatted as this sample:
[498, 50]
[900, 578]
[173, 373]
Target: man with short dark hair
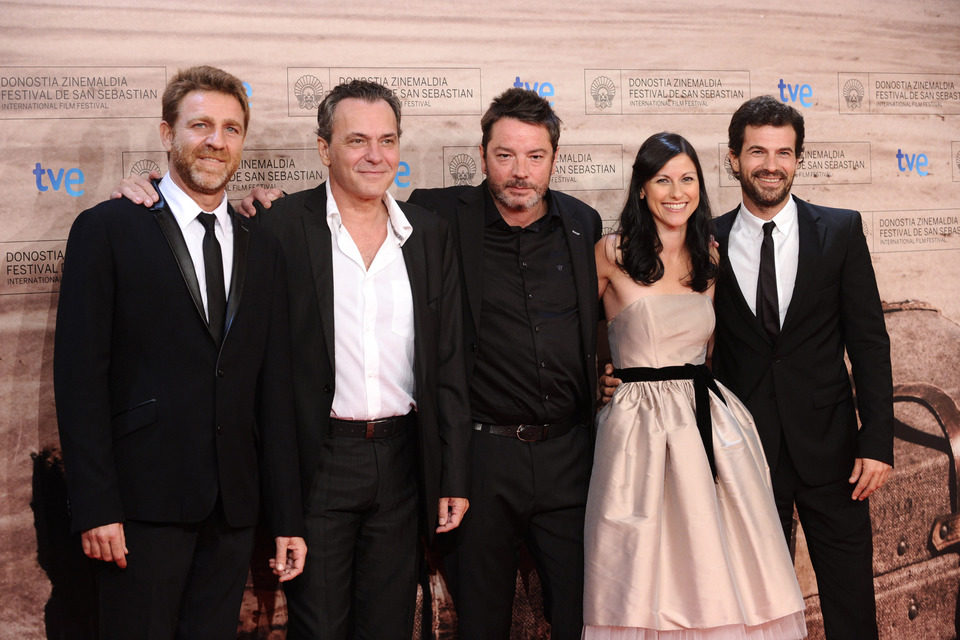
[530, 318]
[796, 292]
[382, 418]
[172, 378]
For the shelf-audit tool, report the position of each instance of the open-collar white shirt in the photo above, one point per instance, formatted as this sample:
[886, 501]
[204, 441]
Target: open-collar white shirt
[186, 212]
[743, 251]
[372, 321]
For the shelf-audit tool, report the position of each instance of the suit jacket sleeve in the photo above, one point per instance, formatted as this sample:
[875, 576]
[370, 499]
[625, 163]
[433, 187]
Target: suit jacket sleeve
[279, 459]
[868, 346]
[81, 374]
[452, 399]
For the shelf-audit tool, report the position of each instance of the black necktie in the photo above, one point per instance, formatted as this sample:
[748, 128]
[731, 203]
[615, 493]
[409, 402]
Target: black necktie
[768, 309]
[213, 268]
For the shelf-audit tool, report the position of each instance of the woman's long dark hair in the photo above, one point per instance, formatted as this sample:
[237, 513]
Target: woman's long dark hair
[640, 244]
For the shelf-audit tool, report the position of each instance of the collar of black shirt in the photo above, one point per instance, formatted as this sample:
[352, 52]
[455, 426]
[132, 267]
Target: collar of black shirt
[491, 215]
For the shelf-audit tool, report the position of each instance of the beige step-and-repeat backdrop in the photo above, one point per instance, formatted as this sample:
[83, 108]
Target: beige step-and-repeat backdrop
[878, 82]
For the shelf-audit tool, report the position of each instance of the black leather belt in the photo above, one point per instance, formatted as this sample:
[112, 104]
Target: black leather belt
[703, 383]
[380, 428]
[527, 432]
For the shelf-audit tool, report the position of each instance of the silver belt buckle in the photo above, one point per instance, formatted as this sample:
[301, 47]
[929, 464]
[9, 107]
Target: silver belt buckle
[520, 430]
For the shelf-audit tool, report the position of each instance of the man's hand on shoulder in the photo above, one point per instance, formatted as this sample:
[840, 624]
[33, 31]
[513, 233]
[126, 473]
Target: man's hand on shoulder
[106, 543]
[265, 197]
[139, 189]
[450, 513]
[290, 556]
[869, 475]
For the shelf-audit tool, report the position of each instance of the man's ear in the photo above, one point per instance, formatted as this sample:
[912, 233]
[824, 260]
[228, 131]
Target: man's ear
[324, 149]
[166, 135]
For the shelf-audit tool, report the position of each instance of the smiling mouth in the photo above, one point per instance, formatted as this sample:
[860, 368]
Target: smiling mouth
[769, 180]
[674, 206]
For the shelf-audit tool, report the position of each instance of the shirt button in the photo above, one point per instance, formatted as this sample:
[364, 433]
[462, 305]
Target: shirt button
[529, 296]
[537, 329]
[543, 364]
[546, 396]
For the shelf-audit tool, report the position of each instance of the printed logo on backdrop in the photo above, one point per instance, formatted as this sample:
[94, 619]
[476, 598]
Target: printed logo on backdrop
[898, 93]
[823, 163]
[462, 166]
[588, 167]
[81, 92]
[141, 163]
[664, 91]
[308, 90]
[463, 169]
[31, 266]
[603, 91]
[285, 169]
[853, 93]
[916, 230]
[421, 91]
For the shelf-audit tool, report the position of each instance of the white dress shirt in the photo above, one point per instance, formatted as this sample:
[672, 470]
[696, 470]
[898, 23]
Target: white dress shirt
[372, 321]
[743, 250]
[186, 212]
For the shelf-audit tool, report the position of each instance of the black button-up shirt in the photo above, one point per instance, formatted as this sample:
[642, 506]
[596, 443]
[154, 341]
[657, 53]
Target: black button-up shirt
[528, 367]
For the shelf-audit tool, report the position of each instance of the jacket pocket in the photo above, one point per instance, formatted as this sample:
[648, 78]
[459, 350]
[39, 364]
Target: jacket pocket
[134, 418]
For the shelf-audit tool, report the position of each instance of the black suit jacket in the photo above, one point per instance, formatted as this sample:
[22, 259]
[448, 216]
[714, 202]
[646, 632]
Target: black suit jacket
[797, 385]
[156, 420]
[463, 207]
[300, 223]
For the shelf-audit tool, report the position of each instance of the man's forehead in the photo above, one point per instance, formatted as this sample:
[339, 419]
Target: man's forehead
[354, 115]
[769, 136]
[210, 103]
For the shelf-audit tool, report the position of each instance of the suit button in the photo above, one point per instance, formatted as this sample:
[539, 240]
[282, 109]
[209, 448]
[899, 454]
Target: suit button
[219, 373]
[219, 429]
[327, 388]
[474, 347]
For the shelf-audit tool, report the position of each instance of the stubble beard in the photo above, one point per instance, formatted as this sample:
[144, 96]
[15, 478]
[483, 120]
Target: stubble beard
[195, 178]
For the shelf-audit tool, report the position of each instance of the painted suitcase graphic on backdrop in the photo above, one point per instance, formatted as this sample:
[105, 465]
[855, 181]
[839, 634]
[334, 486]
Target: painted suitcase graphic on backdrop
[916, 516]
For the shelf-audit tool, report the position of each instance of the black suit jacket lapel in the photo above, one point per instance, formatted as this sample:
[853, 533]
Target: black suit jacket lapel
[178, 246]
[811, 235]
[241, 241]
[470, 221]
[414, 253]
[319, 246]
[581, 250]
[728, 278]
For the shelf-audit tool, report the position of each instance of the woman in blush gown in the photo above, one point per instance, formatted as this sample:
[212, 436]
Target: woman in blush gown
[682, 537]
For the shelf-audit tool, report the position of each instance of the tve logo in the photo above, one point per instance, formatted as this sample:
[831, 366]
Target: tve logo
[403, 172]
[913, 161]
[72, 178]
[795, 93]
[542, 89]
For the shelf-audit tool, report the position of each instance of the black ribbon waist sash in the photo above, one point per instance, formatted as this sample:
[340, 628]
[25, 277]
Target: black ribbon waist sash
[703, 383]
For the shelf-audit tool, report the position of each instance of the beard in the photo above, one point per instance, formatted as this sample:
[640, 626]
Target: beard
[200, 180]
[516, 203]
[766, 196]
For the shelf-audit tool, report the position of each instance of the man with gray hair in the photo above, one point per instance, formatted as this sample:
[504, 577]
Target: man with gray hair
[378, 376]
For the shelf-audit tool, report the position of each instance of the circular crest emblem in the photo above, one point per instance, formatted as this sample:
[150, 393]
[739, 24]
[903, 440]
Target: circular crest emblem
[853, 93]
[309, 92]
[462, 168]
[144, 167]
[603, 90]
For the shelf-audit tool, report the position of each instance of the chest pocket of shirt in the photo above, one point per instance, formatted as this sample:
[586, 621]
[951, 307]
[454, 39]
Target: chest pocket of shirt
[402, 321]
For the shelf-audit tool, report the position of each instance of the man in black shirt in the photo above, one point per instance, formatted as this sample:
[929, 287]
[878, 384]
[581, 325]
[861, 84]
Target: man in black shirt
[530, 319]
